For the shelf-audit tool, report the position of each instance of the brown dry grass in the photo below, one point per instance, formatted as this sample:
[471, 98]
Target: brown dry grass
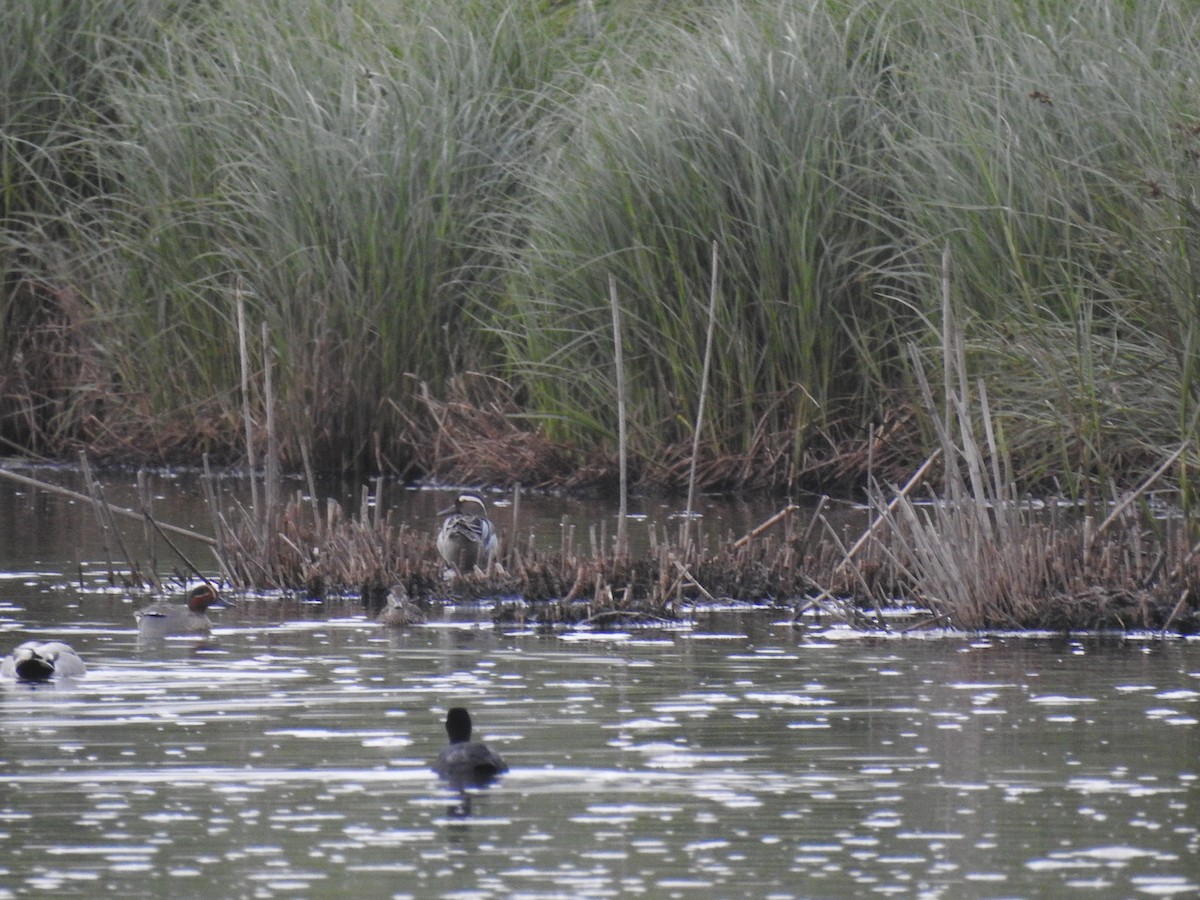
[1036, 570]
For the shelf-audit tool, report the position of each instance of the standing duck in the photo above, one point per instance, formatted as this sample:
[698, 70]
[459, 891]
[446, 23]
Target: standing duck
[465, 762]
[467, 538]
[166, 617]
[35, 661]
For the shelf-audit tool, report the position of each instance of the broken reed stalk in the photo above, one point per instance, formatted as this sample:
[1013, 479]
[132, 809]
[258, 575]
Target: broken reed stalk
[149, 527]
[310, 478]
[916, 478]
[513, 556]
[849, 554]
[108, 525]
[99, 501]
[619, 358]
[106, 513]
[182, 556]
[220, 526]
[814, 521]
[768, 523]
[146, 502]
[1141, 489]
[708, 342]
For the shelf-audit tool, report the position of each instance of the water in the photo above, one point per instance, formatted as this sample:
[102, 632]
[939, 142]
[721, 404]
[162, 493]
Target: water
[288, 755]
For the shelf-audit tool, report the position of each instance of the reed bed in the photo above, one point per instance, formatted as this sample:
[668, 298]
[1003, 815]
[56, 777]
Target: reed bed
[972, 555]
[324, 553]
[964, 557]
[927, 561]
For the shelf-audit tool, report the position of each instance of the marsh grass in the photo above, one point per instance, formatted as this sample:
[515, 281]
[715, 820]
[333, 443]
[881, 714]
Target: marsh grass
[756, 142]
[974, 555]
[972, 558]
[979, 555]
[417, 200]
[52, 377]
[336, 167]
[1057, 158]
[325, 553]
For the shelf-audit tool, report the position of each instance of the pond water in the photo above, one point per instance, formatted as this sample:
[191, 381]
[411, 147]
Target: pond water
[288, 754]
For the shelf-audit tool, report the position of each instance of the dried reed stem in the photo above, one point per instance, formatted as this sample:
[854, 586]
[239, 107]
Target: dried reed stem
[768, 523]
[708, 342]
[619, 358]
[272, 478]
[247, 421]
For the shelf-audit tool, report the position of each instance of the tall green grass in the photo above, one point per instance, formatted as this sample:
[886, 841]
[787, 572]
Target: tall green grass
[52, 94]
[337, 163]
[404, 192]
[1055, 154]
[833, 150]
[754, 131]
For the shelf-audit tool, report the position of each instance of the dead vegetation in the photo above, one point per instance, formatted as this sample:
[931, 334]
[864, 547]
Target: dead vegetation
[968, 553]
[966, 563]
[954, 546]
[944, 557]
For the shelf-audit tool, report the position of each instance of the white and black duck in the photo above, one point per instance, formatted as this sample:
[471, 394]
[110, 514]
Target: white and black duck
[38, 661]
[467, 539]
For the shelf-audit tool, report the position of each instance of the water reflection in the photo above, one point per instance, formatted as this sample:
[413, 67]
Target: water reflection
[289, 753]
[297, 758]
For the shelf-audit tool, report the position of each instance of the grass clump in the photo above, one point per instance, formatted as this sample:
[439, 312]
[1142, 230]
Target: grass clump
[753, 132]
[336, 165]
[52, 95]
[416, 200]
[1054, 152]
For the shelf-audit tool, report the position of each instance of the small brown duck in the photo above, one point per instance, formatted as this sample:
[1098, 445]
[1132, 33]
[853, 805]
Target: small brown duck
[398, 610]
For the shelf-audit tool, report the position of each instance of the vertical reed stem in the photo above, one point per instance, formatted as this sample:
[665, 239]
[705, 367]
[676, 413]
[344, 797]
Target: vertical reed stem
[272, 482]
[516, 512]
[623, 505]
[708, 342]
[244, 356]
[146, 500]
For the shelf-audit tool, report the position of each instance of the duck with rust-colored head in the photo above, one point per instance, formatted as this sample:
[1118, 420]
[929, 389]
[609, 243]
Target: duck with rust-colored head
[169, 617]
[467, 538]
[37, 661]
[464, 761]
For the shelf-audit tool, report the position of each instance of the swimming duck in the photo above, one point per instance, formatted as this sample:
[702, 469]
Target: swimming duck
[464, 761]
[35, 661]
[399, 611]
[467, 537]
[166, 617]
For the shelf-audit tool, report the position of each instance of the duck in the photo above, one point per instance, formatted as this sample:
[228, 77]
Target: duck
[168, 617]
[467, 538]
[37, 661]
[398, 610]
[464, 761]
